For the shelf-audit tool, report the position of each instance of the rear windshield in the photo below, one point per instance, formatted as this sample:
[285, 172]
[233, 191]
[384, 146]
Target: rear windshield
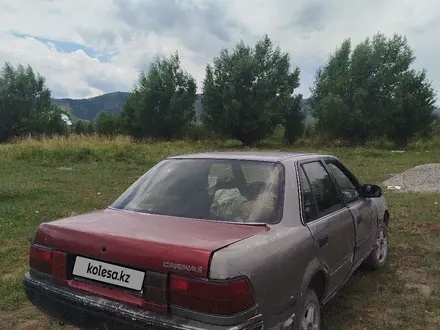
[210, 189]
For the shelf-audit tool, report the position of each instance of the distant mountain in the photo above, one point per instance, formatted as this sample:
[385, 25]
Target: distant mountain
[112, 103]
[88, 109]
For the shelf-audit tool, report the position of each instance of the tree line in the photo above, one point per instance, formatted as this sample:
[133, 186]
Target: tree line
[363, 92]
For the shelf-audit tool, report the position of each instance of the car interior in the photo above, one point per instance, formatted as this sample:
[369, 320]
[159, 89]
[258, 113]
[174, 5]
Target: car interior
[191, 195]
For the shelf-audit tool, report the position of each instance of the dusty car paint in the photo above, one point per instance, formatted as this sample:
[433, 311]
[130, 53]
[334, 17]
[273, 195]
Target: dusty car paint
[280, 260]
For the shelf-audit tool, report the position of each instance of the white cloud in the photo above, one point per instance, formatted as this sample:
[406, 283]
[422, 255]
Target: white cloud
[68, 74]
[131, 32]
[69, 20]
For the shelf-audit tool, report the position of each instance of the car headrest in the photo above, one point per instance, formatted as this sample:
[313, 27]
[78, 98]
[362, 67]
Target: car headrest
[225, 183]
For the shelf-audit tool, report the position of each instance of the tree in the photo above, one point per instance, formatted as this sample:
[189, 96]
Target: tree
[246, 92]
[371, 92]
[162, 102]
[131, 115]
[55, 123]
[90, 127]
[107, 124]
[25, 104]
[80, 127]
[294, 120]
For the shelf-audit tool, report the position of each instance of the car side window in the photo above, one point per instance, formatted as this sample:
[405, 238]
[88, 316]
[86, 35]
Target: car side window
[309, 203]
[323, 188]
[349, 191]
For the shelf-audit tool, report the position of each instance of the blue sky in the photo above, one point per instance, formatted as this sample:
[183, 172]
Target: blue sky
[87, 48]
[64, 46]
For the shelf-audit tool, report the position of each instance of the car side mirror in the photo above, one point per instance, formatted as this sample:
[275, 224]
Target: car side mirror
[371, 191]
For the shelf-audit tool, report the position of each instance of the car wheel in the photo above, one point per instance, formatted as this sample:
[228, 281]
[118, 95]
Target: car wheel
[379, 256]
[309, 317]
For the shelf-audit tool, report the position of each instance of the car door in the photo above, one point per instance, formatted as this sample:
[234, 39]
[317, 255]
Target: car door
[360, 207]
[330, 222]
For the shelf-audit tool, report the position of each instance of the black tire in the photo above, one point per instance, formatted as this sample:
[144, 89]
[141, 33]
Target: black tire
[310, 298]
[379, 255]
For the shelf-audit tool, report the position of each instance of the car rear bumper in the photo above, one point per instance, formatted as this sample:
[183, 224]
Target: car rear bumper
[92, 312]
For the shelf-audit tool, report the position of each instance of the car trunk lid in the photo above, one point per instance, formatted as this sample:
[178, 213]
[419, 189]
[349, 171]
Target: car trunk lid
[144, 241]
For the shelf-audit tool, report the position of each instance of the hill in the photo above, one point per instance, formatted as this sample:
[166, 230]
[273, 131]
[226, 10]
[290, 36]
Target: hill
[112, 103]
[88, 109]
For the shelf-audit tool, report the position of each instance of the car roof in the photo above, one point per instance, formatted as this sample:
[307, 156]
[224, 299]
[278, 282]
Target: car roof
[274, 156]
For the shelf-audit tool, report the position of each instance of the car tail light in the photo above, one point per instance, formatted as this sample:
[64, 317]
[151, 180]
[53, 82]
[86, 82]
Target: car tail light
[59, 267]
[40, 259]
[155, 291]
[211, 297]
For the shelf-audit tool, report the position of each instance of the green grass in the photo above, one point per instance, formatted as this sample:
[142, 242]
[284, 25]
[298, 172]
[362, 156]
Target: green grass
[53, 178]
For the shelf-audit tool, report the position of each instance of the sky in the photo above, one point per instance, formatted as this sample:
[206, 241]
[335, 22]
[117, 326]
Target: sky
[86, 48]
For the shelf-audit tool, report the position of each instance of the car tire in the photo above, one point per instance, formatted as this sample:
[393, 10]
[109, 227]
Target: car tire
[309, 313]
[379, 255]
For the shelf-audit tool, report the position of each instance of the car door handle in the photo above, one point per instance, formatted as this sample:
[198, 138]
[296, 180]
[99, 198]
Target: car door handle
[322, 241]
[359, 219]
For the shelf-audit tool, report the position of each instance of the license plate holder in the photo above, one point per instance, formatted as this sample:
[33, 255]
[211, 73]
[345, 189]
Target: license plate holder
[108, 273]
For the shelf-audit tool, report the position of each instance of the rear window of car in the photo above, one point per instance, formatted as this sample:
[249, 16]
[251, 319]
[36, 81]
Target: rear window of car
[211, 189]
[255, 172]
